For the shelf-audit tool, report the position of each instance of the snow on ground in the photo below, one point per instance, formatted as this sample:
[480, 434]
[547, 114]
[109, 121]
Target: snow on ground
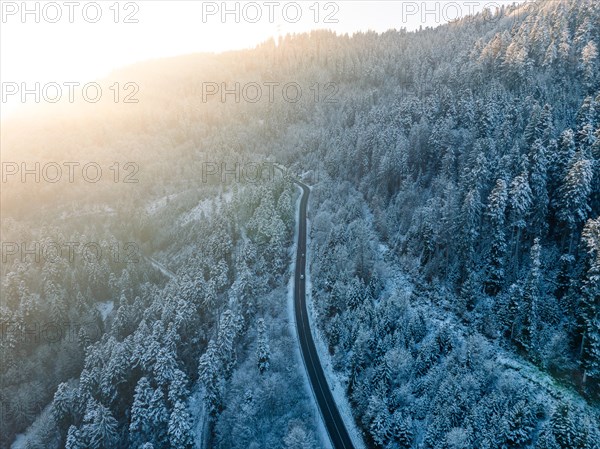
[216, 195]
[545, 381]
[105, 308]
[22, 440]
[19, 442]
[197, 410]
[160, 267]
[322, 434]
[159, 203]
[204, 208]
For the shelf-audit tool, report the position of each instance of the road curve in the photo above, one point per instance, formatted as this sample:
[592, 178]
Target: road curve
[331, 416]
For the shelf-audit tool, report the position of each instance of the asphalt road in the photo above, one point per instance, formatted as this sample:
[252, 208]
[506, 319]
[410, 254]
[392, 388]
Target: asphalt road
[329, 411]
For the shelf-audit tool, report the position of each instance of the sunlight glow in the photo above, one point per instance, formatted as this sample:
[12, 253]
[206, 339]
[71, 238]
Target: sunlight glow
[78, 42]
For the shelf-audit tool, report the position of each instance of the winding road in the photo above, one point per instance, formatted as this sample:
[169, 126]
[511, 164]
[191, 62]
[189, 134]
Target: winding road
[336, 428]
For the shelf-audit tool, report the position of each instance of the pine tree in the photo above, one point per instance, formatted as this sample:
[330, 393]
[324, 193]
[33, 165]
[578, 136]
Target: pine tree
[590, 301]
[62, 405]
[285, 209]
[158, 418]
[164, 367]
[178, 390]
[531, 298]
[590, 66]
[139, 425]
[518, 425]
[219, 272]
[540, 126]
[546, 439]
[520, 198]
[355, 293]
[263, 353]
[380, 421]
[55, 297]
[533, 129]
[471, 217]
[83, 339]
[383, 376]
[496, 211]
[595, 195]
[402, 430]
[209, 374]
[514, 305]
[591, 353]
[121, 324]
[229, 326]
[565, 428]
[586, 123]
[180, 435]
[539, 188]
[596, 146]
[100, 427]
[546, 125]
[561, 159]
[74, 439]
[574, 194]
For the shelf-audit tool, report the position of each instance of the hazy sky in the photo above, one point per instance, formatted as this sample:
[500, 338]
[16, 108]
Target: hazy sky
[79, 41]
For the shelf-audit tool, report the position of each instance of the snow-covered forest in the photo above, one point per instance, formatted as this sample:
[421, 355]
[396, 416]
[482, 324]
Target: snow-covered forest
[453, 257]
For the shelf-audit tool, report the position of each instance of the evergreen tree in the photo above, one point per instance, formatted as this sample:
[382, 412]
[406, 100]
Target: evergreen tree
[560, 160]
[518, 425]
[139, 425]
[62, 405]
[158, 418]
[229, 326]
[210, 373]
[471, 216]
[574, 194]
[380, 421]
[532, 302]
[164, 367]
[180, 435]
[533, 130]
[585, 123]
[100, 427]
[520, 199]
[590, 66]
[402, 430]
[74, 439]
[546, 439]
[539, 188]
[590, 301]
[263, 353]
[546, 125]
[514, 304]
[496, 211]
[178, 390]
[565, 428]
